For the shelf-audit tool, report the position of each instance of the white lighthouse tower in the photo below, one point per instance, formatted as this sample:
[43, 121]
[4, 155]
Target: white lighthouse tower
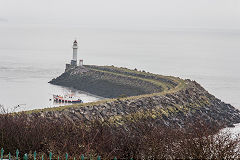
[73, 63]
[75, 48]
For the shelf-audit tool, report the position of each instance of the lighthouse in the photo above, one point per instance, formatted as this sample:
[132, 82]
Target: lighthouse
[74, 60]
[75, 48]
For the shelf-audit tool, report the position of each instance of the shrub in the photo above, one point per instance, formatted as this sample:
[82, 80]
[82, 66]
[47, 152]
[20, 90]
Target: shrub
[144, 139]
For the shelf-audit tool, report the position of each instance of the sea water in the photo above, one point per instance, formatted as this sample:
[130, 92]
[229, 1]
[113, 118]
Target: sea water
[31, 55]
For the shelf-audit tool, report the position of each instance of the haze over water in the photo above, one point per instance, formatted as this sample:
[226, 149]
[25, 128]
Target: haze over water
[30, 56]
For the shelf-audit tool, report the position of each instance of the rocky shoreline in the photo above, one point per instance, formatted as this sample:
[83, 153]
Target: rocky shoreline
[175, 106]
[105, 84]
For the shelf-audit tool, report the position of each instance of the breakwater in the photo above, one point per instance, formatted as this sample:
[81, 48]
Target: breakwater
[169, 100]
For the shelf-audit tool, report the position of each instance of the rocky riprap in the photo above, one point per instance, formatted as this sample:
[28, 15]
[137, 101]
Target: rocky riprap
[176, 106]
[113, 82]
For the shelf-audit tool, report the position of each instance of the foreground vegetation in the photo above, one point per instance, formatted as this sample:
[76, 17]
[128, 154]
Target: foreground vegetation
[140, 140]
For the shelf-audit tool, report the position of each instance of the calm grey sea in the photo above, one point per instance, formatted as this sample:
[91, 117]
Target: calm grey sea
[30, 56]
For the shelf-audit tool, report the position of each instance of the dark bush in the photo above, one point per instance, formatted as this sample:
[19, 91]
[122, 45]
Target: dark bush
[138, 140]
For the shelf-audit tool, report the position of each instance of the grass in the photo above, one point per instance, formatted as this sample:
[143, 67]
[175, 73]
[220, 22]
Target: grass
[126, 70]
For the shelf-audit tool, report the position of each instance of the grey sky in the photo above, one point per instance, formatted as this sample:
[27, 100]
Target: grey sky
[124, 13]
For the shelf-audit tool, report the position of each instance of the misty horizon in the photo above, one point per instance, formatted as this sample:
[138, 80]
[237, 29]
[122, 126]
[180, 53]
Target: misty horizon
[141, 14]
